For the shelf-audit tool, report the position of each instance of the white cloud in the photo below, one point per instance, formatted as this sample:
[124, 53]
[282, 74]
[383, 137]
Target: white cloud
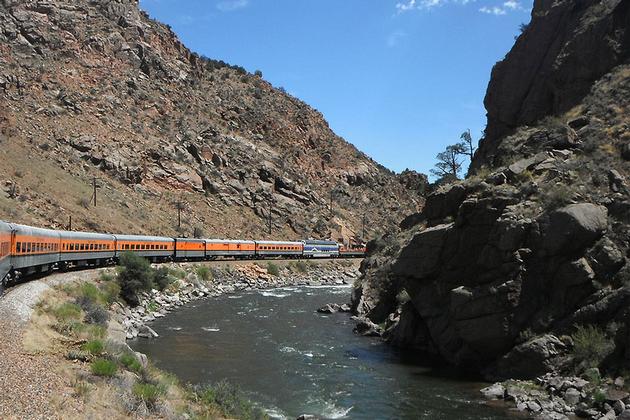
[508, 6]
[394, 38]
[489, 8]
[493, 10]
[231, 5]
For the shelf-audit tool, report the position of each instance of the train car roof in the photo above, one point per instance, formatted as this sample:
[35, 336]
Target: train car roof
[143, 238]
[279, 242]
[30, 230]
[65, 234]
[319, 242]
[228, 241]
[190, 240]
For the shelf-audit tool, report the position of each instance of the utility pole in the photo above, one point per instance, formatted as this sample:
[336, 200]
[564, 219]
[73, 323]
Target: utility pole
[363, 229]
[94, 188]
[270, 221]
[331, 202]
[180, 205]
[70, 223]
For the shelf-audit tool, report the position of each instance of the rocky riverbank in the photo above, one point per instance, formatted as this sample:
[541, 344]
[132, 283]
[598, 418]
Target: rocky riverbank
[198, 283]
[66, 356]
[553, 397]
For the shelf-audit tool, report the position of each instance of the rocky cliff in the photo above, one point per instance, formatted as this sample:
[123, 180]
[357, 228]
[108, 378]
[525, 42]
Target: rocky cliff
[566, 47]
[94, 91]
[502, 272]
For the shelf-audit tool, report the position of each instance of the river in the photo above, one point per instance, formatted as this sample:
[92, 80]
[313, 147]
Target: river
[292, 360]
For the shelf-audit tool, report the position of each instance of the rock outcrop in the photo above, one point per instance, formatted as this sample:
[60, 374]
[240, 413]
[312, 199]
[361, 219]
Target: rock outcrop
[567, 46]
[96, 89]
[499, 273]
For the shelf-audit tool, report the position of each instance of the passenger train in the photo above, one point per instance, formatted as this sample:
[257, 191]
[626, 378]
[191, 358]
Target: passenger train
[26, 250]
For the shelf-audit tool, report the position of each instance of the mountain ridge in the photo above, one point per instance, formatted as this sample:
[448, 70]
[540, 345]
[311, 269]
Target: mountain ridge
[98, 89]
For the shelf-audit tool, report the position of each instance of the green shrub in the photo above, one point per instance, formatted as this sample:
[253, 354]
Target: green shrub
[96, 314]
[590, 345]
[153, 306]
[177, 273]
[162, 278]
[149, 393]
[136, 275]
[89, 292]
[94, 347]
[111, 291]
[106, 277]
[130, 362]
[273, 269]
[67, 312]
[104, 367]
[301, 266]
[204, 273]
[599, 397]
[230, 400]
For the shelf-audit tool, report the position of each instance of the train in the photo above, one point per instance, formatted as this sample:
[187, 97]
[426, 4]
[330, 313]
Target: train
[27, 250]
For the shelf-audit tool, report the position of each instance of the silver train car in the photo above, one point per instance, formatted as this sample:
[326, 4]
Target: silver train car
[35, 250]
[5, 252]
[320, 249]
[83, 248]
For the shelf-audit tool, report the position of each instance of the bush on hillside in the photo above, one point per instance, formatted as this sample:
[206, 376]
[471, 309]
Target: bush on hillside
[104, 367]
[273, 269]
[204, 273]
[590, 346]
[230, 399]
[136, 275]
[162, 278]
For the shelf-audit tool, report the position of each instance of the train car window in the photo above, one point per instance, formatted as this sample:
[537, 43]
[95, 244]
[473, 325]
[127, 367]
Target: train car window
[133, 246]
[18, 247]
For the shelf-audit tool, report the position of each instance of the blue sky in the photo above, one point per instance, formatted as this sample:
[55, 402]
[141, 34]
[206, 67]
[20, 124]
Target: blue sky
[400, 79]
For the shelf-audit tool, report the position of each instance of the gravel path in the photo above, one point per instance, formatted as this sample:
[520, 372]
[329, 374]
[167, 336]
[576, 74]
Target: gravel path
[31, 387]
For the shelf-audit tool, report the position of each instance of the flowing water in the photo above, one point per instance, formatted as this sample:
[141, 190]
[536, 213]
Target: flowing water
[292, 361]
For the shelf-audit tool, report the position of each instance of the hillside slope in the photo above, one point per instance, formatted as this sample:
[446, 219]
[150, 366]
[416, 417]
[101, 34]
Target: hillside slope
[502, 268]
[96, 89]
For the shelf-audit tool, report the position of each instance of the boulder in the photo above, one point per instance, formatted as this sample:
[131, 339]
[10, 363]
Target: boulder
[145, 331]
[494, 392]
[367, 328]
[572, 396]
[329, 308]
[574, 227]
[532, 358]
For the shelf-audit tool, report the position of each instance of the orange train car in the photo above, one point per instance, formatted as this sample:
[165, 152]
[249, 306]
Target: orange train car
[155, 248]
[230, 247]
[187, 248]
